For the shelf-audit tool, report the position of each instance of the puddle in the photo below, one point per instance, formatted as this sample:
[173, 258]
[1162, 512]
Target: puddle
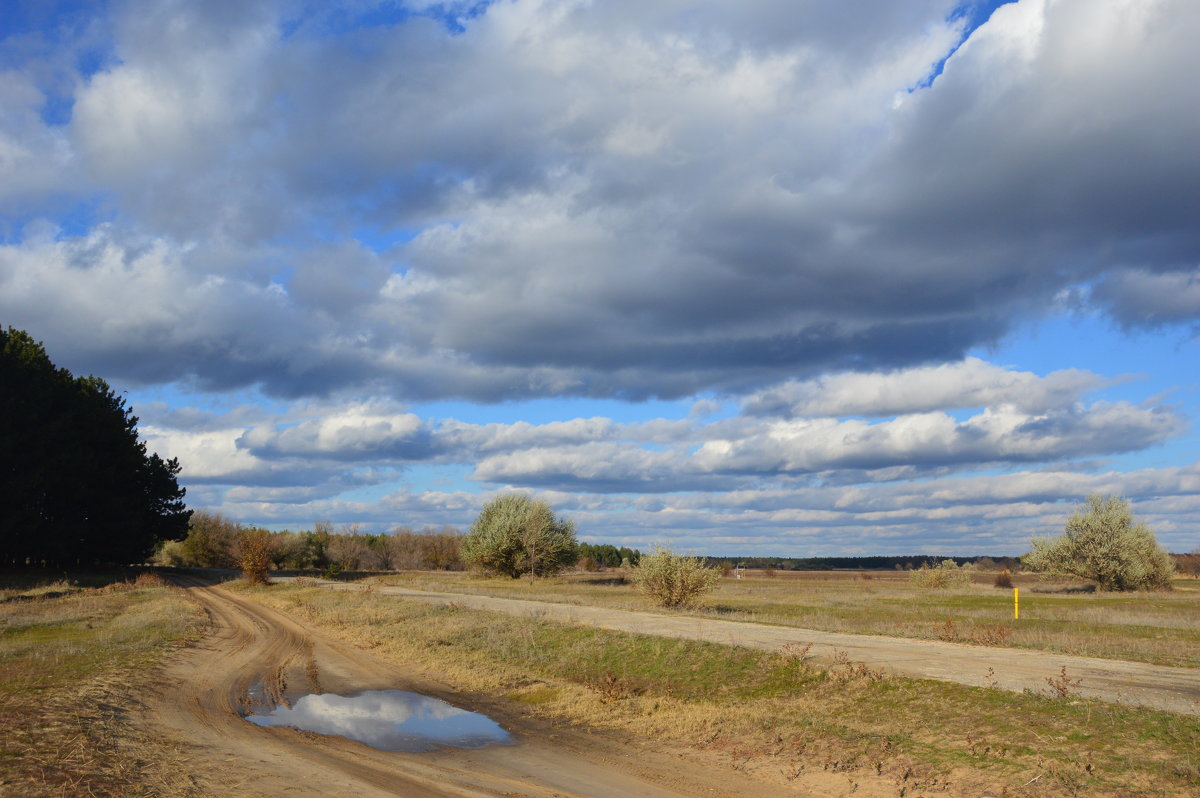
[393, 720]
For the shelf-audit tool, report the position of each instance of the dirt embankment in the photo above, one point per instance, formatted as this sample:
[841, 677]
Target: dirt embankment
[252, 650]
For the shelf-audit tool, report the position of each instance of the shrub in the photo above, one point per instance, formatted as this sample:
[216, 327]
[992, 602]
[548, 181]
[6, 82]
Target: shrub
[1103, 543]
[947, 574]
[517, 535]
[1003, 578]
[673, 580]
[254, 555]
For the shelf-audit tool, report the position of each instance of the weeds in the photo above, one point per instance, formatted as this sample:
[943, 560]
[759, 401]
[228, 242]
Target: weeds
[796, 651]
[1063, 686]
[984, 635]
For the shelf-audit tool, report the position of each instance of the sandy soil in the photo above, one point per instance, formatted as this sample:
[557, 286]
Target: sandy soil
[1154, 686]
[251, 649]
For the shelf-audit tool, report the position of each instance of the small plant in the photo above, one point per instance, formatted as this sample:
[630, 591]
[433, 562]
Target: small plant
[1003, 578]
[796, 651]
[947, 574]
[946, 631]
[674, 580]
[1063, 686]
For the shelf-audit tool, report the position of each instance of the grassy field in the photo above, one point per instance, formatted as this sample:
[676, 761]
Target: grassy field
[1158, 628]
[772, 714]
[74, 655]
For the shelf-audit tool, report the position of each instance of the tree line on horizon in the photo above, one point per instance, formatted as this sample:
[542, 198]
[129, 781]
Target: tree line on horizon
[215, 541]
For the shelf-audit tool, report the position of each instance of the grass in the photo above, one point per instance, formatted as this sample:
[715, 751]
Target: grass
[771, 714]
[1157, 628]
[74, 653]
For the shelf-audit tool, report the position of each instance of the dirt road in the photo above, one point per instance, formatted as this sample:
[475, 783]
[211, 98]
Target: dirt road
[1154, 686]
[252, 650]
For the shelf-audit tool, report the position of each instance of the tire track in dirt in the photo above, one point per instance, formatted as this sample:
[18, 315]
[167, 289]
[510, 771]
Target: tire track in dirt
[1017, 670]
[254, 655]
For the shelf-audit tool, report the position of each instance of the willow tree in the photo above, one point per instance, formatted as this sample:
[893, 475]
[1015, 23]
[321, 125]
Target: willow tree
[1104, 543]
[516, 535]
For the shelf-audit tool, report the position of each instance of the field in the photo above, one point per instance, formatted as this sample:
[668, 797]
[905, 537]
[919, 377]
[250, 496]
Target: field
[75, 655]
[1157, 628]
[772, 715]
[84, 668]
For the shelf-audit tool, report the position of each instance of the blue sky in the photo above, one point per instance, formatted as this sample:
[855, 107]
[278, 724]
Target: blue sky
[756, 278]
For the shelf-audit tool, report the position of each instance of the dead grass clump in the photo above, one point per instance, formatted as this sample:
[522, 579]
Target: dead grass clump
[149, 579]
[980, 635]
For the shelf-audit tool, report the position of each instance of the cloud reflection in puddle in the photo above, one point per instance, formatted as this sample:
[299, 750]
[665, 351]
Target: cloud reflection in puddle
[392, 720]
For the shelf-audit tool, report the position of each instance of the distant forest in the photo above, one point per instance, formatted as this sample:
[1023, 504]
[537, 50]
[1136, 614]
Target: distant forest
[902, 562]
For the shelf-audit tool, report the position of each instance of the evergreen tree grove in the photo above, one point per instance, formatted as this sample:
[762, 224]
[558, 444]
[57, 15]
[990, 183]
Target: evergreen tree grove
[77, 486]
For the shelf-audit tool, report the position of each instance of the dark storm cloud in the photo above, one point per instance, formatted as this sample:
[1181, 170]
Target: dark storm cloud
[1137, 298]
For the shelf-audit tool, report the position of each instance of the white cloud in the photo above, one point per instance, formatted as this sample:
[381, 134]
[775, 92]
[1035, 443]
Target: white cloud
[968, 383]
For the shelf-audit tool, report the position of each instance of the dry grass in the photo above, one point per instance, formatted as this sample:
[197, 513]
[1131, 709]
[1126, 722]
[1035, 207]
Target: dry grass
[73, 661]
[773, 714]
[1158, 628]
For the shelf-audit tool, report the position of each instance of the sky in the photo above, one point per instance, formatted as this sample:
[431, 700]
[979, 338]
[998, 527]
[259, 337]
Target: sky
[774, 277]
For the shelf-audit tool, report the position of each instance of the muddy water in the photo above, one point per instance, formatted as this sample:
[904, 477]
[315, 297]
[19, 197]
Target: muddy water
[392, 720]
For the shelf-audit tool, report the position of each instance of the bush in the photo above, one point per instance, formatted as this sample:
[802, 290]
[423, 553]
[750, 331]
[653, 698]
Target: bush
[254, 555]
[517, 535]
[947, 574]
[1003, 578]
[673, 580]
[1103, 543]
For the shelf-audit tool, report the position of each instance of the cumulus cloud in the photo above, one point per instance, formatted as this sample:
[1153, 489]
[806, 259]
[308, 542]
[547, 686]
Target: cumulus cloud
[606, 199]
[354, 433]
[969, 383]
[798, 209]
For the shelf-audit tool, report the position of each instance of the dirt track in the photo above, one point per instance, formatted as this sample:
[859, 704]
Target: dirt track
[251, 647]
[1154, 686]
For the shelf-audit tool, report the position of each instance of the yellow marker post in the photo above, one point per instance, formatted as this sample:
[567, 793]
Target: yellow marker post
[1016, 606]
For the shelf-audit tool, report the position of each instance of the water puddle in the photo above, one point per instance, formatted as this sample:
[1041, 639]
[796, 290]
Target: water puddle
[393, 720]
